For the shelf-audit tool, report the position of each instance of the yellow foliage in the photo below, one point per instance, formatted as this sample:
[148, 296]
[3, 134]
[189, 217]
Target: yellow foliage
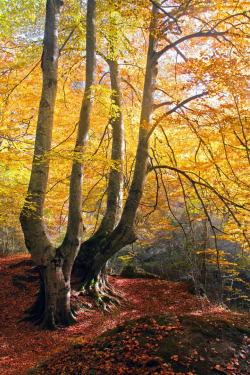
[206, 140]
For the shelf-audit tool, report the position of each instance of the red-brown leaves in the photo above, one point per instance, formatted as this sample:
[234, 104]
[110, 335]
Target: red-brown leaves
[129, 351]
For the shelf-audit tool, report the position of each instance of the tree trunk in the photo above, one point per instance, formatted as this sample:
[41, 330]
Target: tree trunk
[89, 268]
[52, 306]
[95, 252]
[86, 269]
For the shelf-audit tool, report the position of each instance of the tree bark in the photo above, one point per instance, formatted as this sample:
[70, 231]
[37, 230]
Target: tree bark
[52, 306]
[96, 251]
[115, 184]
[85, 270]
[92, 276]
[32, 213]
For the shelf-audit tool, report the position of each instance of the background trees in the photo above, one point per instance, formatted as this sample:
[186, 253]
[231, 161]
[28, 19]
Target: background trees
[180, 71]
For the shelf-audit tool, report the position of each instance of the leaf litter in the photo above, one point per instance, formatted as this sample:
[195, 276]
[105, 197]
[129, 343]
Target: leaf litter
[160, 329]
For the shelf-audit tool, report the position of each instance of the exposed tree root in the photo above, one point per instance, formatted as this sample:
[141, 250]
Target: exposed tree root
[48, 319]
[48, 322]
[67, 319]
[25, 262]
[104, 295]
[36, 311]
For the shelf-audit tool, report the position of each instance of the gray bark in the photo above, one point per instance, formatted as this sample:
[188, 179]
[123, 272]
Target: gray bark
[52, 306]
[32, 220]
[74, 228]
[83, 269]
[115, 184]
[142, 156]
[96, 251]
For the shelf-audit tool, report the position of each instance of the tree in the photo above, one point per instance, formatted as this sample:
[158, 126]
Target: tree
[98, 249]
[55, 264]
[191, 174]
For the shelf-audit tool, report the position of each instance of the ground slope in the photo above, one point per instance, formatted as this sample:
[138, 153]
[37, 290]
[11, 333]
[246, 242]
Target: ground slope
[178, 333]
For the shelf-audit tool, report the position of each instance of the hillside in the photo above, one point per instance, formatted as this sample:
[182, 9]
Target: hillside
[160, 329]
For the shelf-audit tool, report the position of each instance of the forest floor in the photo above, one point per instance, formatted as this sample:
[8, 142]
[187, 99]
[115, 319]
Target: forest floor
[159, 329]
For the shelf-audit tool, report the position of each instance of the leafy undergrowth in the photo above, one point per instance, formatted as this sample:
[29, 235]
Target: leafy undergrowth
[160, 329]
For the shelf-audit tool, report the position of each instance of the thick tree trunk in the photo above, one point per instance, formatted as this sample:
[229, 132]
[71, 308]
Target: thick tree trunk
[52, 306]
[95, 252]
[43, 253]
[32, 213]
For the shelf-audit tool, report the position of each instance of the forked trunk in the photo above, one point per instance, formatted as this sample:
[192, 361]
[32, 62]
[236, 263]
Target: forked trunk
[90, 272]
[89, 267]
[95, 252]
[52, 306]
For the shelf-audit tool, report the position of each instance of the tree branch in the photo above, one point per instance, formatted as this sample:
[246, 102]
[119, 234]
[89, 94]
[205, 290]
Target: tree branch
[205, 184]
[166, 13]
[132, 87]
[199, 34]
[67, 39]
[60, 143]
[161, 105]
[177, 50]
[181, 104]
[23, 79]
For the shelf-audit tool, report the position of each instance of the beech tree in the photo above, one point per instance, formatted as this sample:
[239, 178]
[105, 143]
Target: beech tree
[168, 28]
[55, 264]
[98, 249]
